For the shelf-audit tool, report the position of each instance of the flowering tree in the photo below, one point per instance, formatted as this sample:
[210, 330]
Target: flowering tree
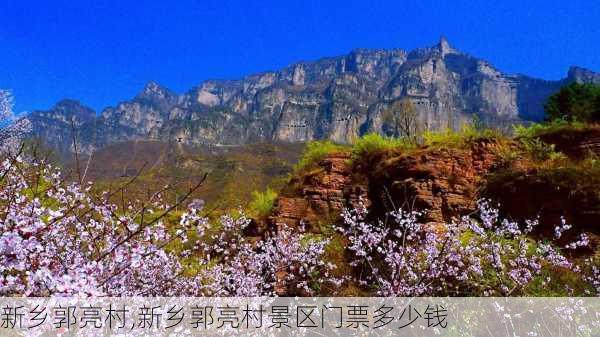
[283, 264]
[486, 255]
[57, 239]
[12, 127]
[60, 238]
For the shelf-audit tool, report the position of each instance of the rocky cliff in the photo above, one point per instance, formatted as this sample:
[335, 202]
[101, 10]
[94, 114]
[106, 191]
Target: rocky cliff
[446, 182]
[335, 98]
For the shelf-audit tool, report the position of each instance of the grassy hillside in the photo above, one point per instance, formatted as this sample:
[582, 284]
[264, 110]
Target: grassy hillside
[234, 173]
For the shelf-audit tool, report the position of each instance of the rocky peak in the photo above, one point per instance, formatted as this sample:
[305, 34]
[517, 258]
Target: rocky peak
[154, 91]
[377, 64]
[445, 48]
[56, 125]
[582, 75]
[152, 97]
[336, 98]
[65, 111]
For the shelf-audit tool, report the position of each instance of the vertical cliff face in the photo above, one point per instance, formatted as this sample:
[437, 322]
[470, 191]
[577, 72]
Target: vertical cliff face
[55, 126]
[337, 98]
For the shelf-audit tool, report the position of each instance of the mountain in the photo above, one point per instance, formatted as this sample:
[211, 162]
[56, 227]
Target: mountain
[337, 98]
[55, 126]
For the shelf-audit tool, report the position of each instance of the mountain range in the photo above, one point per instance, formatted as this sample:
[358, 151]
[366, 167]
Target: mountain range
[336, 98]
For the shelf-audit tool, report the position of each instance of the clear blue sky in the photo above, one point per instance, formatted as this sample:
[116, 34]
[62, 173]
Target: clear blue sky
[101, 52]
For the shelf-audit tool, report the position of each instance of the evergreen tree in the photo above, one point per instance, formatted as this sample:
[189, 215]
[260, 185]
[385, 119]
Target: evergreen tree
[575, 101]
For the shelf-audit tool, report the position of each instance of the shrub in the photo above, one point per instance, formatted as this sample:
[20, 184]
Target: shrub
[537, 129]
[262, 203]
[317, 150]
[446, 137]
[541, 151]
[374, 142]
[451, 138]
[64, 240]
[506, 155]
[284, 261]
[13, 127]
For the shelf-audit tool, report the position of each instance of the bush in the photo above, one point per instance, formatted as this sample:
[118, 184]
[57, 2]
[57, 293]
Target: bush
[446, 137]
[451, 138]
[262, 203]
[506, 155]
[541, 151]
[374, 142]
[317, 150]
[537, 129]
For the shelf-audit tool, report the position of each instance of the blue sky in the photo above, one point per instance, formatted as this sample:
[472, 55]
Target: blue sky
[102, 52]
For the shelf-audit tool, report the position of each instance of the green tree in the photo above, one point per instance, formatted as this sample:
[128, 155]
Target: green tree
[575, 101]
[262, 202]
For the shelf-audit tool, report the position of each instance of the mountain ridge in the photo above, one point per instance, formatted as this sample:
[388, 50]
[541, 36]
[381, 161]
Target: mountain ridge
[337, 98]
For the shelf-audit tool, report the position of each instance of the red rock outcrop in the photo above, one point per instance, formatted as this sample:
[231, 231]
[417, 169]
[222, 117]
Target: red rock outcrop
[319, 195]
[441, 181]
[444, 182]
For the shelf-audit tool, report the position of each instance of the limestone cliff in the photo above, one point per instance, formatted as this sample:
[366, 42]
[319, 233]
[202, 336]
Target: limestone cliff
[337, 98]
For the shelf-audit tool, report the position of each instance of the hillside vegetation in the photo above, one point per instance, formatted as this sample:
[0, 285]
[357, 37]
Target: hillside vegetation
[234, 174]
[473, 212]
